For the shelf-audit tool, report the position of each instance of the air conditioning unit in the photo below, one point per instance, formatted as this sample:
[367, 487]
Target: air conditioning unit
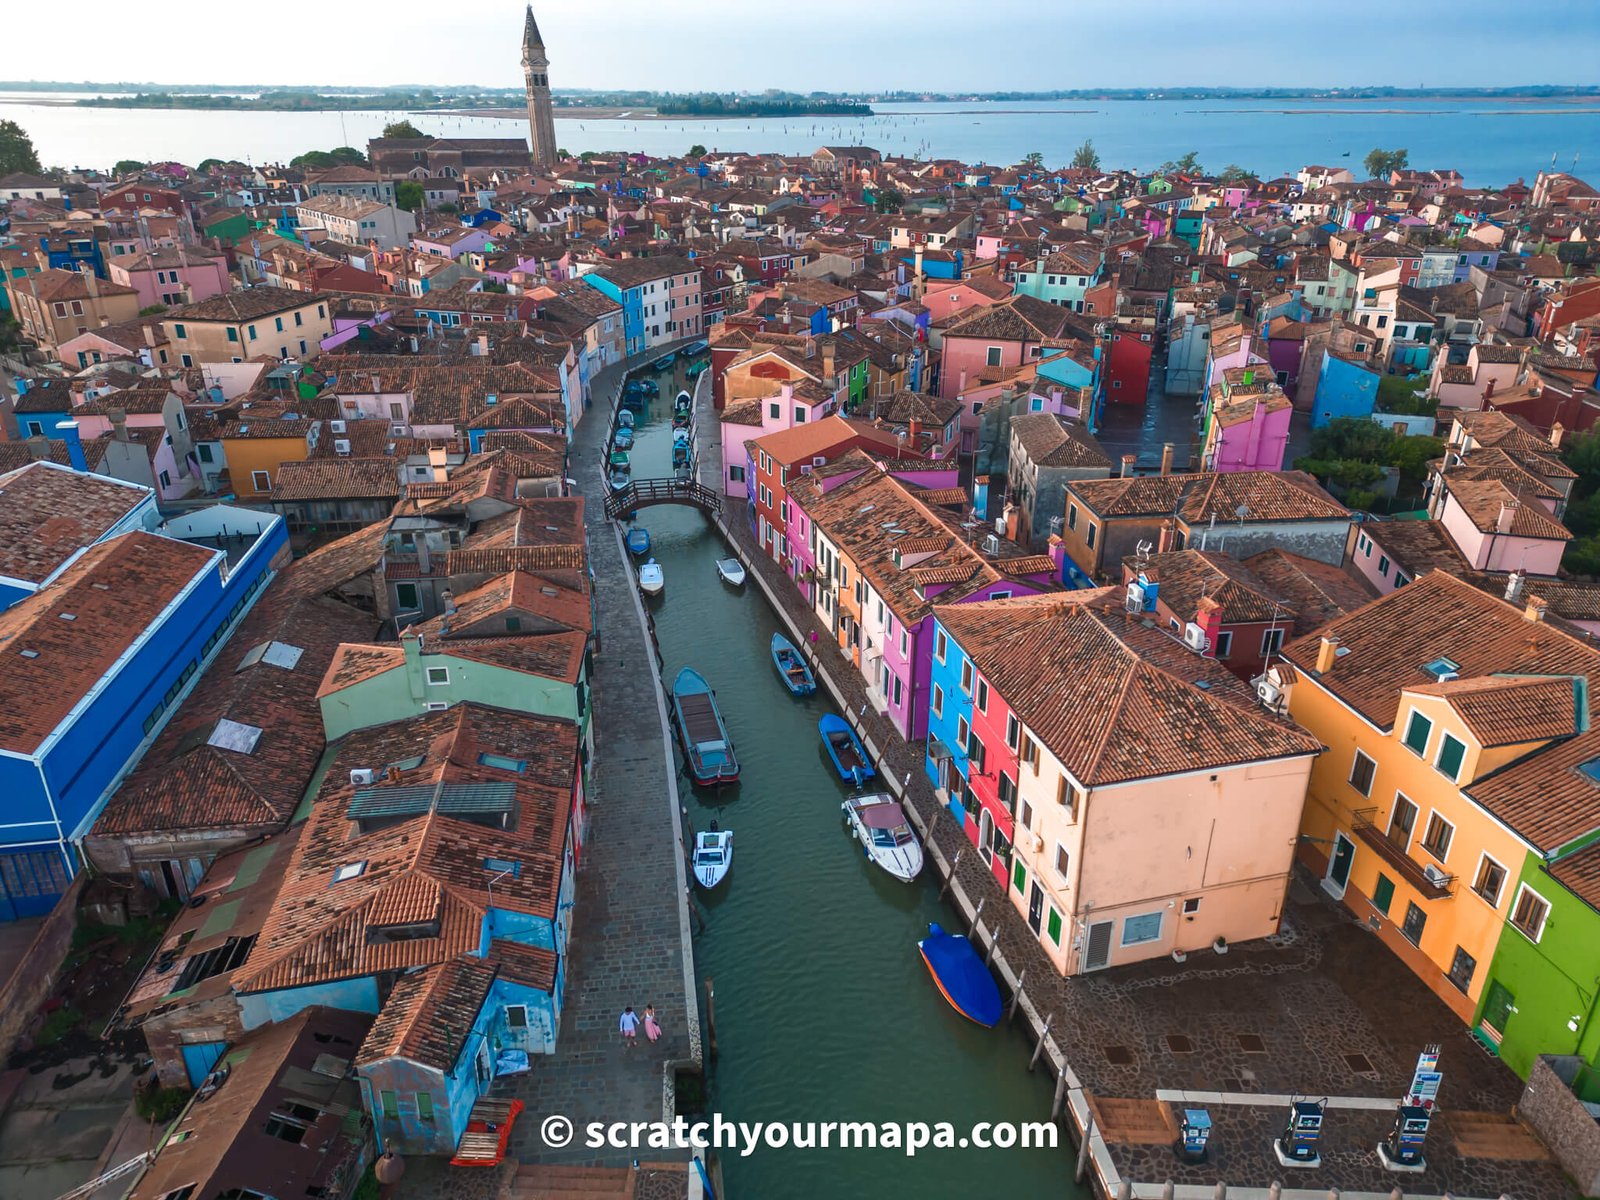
[1135, 600]
[341, 445]
[991, 544]
[805, 468]
[820, 460]
[397, 431]
[1000, 524]
[336, 426]
[1038, 843]
[363, 775]
[1195, 638]
[1269, 693]
[1435, 876]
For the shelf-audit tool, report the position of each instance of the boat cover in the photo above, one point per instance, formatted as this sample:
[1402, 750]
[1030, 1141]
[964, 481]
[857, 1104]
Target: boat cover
[882, 816]
[961, 976]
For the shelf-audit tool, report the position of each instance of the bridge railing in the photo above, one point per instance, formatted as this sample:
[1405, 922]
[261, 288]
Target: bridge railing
[642, 493]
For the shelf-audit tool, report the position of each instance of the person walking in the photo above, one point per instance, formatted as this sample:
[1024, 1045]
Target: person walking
[629, 1025]
[651, 1029]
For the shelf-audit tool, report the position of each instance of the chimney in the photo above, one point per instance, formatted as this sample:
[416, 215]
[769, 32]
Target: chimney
[38, 447]
[483, 345]
[411, 643]
[119, 423]
[1127, 464]
[1508, 514]
[1534, 611]
[1557, 432]
[439, 464]
[69, 434]
[1488, 392]
[91, 284]
[449, 599]
[424, 558]
[1166, 458]
[149, 335]
[1514, 583]
[1168, 536]
[1327, 652]
[827, 362]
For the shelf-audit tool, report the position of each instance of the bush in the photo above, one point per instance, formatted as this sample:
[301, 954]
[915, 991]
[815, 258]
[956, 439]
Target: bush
[161, 1104]
[57, 1025]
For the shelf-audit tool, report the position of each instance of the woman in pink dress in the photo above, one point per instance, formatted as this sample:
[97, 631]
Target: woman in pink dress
[651, 1029]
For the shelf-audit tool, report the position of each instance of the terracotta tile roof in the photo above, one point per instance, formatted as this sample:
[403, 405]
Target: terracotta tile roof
[248, 304]
[1184, 577]
[1574, 599]
[1196, 498]
[1052, 441]
[1484, 500]
[742, 412]
[802, 443]
[1544, 796]
[1418, 546]
[1026, 564]
[1316, 591]
[1512, 710]
[335, 564]
[433, 824]
[58, 643]
[1580, 873]
[950, 497]
[906, 407]
[186, 783]
[501, 560]
[1112, 698]
[1390, 640]
[542, 606]
[337, 479]
[429, 1015]
[48, 514]
[355, 663]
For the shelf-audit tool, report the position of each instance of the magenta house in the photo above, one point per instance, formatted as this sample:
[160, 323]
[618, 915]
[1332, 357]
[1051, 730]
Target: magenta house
[170, 275]
[745, 420]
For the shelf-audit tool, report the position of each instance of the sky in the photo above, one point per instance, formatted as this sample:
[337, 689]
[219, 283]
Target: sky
[837, 45]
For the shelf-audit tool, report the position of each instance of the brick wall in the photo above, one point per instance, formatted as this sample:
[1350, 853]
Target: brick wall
[35, 973]
[1561, 1120]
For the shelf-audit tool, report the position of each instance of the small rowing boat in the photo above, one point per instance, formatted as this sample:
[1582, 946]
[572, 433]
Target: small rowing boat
[638, 540]
[623, 438]
[961, 977]
[707, 748]
[792, 668]
[845, 749]
[665, 361]
[625, 419]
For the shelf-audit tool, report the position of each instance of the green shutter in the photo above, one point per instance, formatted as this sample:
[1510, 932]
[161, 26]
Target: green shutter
[1054, 927]
[391, 1104]
[1383, 893]
[1019, 876]
[425, 1105]
[1418, 732]
[1451, 752]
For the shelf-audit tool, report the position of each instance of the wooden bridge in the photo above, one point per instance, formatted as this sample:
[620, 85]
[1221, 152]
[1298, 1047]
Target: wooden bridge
[642, 493]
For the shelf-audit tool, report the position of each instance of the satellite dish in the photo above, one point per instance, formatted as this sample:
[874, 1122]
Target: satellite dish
[1145, 547]
[1242, 511]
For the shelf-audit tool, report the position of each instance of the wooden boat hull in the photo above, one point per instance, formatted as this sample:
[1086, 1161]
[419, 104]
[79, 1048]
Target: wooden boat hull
[845, 750]
[792, 668]
[707, 748]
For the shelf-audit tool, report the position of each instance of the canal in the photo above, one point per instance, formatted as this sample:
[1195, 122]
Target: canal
[824, 1010]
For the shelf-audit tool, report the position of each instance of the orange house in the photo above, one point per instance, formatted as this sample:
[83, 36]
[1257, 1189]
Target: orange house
[255, 449]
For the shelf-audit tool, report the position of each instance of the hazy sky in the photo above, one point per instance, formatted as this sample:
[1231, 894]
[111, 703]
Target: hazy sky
[853, 45]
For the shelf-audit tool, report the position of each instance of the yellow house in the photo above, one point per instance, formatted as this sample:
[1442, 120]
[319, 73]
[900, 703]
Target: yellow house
[1420, 698]
[254, 449]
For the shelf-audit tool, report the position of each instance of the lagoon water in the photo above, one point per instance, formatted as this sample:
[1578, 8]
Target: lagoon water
[1489, 141]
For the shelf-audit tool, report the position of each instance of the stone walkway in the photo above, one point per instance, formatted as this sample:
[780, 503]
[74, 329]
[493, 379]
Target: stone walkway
[1319, 991]
[630, 939]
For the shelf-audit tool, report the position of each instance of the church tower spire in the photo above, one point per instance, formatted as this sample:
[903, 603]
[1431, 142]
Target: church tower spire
[536, 74]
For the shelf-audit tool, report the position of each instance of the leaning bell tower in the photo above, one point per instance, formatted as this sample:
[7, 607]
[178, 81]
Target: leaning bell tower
[536, 72]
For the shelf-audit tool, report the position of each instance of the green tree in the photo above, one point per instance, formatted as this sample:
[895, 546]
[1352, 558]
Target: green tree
[1380, 163]
[888, 200]
[151, 310]
[127, 166]
[206, 164]
[1413, 454]
[448, 209]
[16, 149]
[697, 151]
[1033, 160]
[1233, 173]
[1086, 157]
[408, 195]
[402, 129]
[563, 153]
[1189, 164]
[321, 160]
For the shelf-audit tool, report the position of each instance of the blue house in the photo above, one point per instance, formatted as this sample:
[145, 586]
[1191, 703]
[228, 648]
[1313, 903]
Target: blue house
[41, 405]
[73, 252]
[95, 663]
[35, 549]
[949, 721]
[1347, 386]
[643, 286]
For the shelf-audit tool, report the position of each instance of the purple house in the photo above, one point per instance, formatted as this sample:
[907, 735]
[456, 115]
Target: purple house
[1247, 425]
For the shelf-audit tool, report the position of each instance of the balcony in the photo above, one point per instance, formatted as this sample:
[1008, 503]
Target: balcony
[1432, 884]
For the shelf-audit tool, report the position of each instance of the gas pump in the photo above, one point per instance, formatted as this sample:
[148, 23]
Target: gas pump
[1195, 1131]
[1403, 1149]
[1297, 1147]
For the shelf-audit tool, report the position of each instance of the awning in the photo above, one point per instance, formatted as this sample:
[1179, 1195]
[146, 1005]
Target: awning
[938, 751]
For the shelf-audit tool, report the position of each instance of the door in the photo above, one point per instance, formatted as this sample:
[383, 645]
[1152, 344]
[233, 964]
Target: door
[1338, 876]
[1035, 906]
[1498, 1006]
[1097, 951]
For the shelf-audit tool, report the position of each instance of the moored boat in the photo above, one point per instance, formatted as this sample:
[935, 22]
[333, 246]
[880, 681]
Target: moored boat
[619, 460]
[707, 748]
[961, 977]
[845, 749]
[695, 369]
[651, 578]
[623, 438]
[713, 855]
[625, 419]
[880, 825]
[680, 437]
[665, 361]
[682, 402]
[680, 454]
[693, 348]
[731, 570]
[619, 479]
[792, 669]
[638, 540]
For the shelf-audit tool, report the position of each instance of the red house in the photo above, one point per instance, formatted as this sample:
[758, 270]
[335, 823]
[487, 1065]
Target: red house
[1128, 364]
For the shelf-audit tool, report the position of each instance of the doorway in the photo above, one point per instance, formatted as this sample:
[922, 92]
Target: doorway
[1097, 946]
[1035, 906]
[1338, 876]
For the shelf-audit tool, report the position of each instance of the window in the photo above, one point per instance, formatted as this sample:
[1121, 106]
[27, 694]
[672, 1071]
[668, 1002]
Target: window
[1019, 875]
[1025, 814]
[1271, 642]
[405, 595]
[1007, 789]
[1191, 905]
[1053, 927]
[391, 1104]
[261, 481]
[1013, 731]
[425, 1106]
[1072, 516]
[1461, 969]
[349, 871]
[994, 354]
[1141, 929]
[1402, 820]
[252, 332]
[775, 411]
[1451, 752]
[1529, 913]
[966, 676]
[983, 696]
[1063, 861]
[517, 1016]
[1418, 730]
[1361, 771]
[1088, 534]
[962, 731]
[1224, 644]
[1383, 893]
[1490, 880]
[938, 701]
[438, 676]
[183, 334]
[1440, 833]
[1416, 920]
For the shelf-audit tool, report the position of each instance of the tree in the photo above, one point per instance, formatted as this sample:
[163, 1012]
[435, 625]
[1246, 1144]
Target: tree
[402, 129]
[1413, 454]
[1381, 163]
[127, 166]
[408, 195]
[448, 209]
[1033, 160]
[1233, 173]
[697, 151]
[151, 310]
[16, 149]
[1086, 157]
[1189, 164]
[563, 153]
[206, 165]
[888, 200]
[339, 156]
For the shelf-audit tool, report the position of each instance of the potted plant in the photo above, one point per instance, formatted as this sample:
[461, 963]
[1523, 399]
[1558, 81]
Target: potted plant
[1220, 945]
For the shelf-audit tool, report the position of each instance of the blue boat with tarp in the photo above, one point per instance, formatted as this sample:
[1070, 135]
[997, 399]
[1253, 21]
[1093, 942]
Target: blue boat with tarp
[961, 977]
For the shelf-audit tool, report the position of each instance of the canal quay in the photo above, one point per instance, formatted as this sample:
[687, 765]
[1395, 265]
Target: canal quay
[823, 1010]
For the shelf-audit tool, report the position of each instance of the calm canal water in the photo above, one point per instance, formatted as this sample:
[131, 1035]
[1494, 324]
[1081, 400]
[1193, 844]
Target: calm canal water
[824, 1009]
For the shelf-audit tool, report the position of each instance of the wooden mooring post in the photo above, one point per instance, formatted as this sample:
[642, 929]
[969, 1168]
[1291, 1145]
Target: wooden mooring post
[1083, 1147]
[711, 1019]
[1061, 1092]
[950, 878]
[1016, 996]
[1049, 1018]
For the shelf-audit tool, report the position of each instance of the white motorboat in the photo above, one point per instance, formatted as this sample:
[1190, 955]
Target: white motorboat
[881, 826]
[731, 570]
[651, 578]
[713, 855]
[625, 419]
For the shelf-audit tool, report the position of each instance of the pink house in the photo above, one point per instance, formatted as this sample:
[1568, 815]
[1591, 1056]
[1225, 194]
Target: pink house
[170, 275]
[686, 317]
[947, 299]
[1247, 430]
[990, 345]
[1498, 529]
[795, 404]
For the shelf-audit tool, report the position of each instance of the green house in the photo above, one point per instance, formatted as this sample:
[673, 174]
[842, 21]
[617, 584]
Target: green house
[1541, 991]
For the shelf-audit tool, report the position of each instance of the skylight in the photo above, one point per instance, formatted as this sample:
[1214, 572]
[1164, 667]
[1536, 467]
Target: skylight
[1591, 769]
[1440, 667]
[349, 871]
[503, 762]
[234, 735]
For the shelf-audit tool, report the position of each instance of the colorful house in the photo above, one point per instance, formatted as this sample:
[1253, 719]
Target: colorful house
[1347, 386]
[1245, 426]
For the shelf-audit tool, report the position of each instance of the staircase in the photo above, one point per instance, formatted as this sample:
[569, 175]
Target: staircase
[538, 1181]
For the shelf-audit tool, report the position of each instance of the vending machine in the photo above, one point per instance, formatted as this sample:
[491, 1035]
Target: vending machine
[1297, 1147]
[1403, 1149]
[1195, 1130]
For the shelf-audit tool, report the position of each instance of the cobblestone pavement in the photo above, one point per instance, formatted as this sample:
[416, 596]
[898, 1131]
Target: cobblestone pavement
[1319, 990]
[630, 939]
